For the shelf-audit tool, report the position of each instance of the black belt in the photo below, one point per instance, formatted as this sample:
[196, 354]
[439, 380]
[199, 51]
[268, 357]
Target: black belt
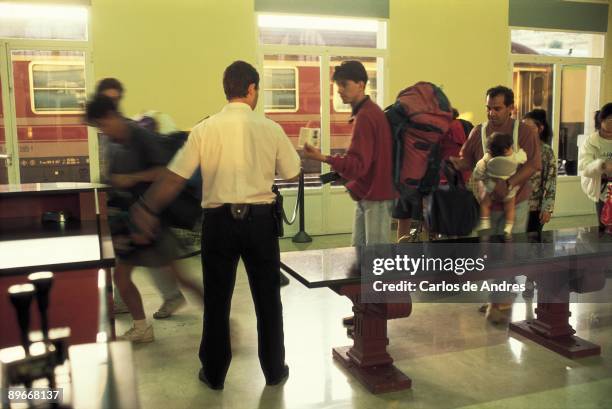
[240, 211]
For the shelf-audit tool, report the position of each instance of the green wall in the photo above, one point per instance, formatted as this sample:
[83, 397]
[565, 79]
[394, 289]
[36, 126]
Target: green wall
[461, 45]
[170, 55]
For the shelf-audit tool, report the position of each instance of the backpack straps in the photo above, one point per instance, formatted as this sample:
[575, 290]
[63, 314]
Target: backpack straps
[515, 132]
[515, 145]
[483, 137]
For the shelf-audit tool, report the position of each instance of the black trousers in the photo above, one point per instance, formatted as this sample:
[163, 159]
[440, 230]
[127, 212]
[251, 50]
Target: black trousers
[533, 223]
[224, 241]
[599, 208]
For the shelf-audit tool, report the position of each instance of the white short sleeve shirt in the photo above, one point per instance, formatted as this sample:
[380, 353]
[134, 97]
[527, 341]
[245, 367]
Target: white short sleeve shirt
[239, 151]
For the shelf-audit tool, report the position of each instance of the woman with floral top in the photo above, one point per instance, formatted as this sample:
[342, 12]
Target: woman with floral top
[544, 183]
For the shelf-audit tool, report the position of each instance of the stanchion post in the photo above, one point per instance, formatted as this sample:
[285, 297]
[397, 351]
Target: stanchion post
[301, 236]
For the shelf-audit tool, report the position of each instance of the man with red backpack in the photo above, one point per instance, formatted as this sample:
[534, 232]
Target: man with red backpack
[367, 164]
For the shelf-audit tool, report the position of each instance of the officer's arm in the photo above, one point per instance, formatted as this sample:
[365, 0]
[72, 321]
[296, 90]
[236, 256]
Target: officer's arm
[158, 196]
[146, 210]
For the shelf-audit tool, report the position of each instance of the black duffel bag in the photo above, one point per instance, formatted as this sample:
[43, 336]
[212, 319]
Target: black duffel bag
[451, 209]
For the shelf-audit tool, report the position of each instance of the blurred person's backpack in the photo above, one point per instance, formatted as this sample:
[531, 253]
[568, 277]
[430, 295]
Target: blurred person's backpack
[419, 118]
[185, 210]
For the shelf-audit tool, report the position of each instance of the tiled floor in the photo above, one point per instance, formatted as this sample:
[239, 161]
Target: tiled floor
[453, 357]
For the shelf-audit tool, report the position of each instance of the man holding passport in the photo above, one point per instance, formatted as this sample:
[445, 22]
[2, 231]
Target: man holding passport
[367, 162]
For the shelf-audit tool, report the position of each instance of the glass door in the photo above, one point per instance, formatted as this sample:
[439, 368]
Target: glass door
[291, 97]
[6, 153]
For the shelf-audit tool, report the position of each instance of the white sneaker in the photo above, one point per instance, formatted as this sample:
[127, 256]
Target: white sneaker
[138, 336]
[169, 307]
[485, 224]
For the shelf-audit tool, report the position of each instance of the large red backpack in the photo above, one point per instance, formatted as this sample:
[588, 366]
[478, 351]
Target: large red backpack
[419, 118]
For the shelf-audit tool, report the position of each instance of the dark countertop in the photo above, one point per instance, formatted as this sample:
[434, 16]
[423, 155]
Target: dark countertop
[27, 245]
[527, 252]
[49, 188]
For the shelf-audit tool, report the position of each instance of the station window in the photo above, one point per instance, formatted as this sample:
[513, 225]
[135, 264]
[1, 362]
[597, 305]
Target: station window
[43, 22]
[298, 54]
[557, 43]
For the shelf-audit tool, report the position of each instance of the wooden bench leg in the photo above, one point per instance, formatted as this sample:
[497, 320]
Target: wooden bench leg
[368, 359]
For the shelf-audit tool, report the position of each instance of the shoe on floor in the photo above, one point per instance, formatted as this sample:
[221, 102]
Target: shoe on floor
[138, 336]
[204, 379]
[169, 307]
[282, 378]
[498, 313]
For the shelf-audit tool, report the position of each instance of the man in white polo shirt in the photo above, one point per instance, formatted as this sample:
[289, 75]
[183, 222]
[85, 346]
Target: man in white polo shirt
[239, 152]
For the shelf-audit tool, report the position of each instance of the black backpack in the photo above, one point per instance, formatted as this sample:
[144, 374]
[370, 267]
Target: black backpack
[451, 209]
[467, 126]
[186, 208]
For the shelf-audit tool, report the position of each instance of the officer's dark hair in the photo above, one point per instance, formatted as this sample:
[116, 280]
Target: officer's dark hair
[501, 90]
[350, 70]
[98, 107]
[498, 143]
[109, 83]
[237, 78]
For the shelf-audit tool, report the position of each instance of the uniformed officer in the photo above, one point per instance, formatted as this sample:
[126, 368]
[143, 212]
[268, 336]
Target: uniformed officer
[239, 152]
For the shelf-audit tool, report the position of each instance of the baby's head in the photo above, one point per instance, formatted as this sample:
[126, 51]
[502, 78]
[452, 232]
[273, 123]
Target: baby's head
[500, 144]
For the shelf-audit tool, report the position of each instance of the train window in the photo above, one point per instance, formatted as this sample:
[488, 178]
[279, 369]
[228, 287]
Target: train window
[57, 87]
[280, 89]
[44, 22]
[558, 44]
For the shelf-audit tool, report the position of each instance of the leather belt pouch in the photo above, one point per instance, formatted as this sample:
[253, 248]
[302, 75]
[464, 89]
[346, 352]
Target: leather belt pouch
[239, 210]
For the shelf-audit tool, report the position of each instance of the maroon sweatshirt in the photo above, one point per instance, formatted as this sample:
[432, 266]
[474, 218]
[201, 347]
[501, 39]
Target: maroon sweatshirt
[367, 164]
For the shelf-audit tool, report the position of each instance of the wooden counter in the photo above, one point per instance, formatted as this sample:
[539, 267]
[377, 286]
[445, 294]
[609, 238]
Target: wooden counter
[74, 250]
